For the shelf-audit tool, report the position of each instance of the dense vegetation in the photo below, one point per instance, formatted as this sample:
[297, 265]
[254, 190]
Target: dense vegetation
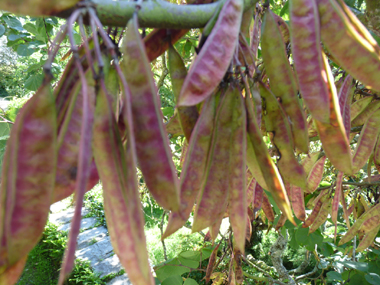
[268, 115]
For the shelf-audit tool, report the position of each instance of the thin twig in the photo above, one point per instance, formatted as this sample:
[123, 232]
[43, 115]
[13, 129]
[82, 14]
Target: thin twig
[6, 121]
[162, 233]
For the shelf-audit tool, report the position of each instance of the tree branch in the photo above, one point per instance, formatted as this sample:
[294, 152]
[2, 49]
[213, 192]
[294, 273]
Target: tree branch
[155, 13]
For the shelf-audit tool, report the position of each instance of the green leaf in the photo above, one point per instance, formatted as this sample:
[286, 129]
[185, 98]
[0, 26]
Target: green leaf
[293, 242]
[333, 275]
[13, 23]
[173, 280]
[206, 252]
[168, 270]
[274, 204]
[168, 112]
[302, 235]
[156, 281]
[25, 50]
[315, 238]
[31, 28]
[34, 67]
[361, 266]
[190, 281]
[34, 82]
[285, 9]
[372, 278]
[357, 279]
[13, 37]
[2, 30]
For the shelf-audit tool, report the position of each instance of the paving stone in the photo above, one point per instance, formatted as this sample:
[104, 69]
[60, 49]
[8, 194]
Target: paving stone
[109, 265]
[120, 280]
[88, 237]
[65, 216]
[85, 224]
[96, 252]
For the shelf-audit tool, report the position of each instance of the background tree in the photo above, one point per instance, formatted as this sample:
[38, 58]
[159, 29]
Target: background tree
[240, 104]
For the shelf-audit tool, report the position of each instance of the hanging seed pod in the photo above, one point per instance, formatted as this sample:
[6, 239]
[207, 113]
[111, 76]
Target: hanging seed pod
[194, 165]
[317, 208]
[122, 205]
[211, 64]
[258, 200]
[267, 208]
[315, 176]
[307, 55]
[213, 196]
[322, 216]
[309, 161]
[282, 80]
[345, 43]
[152, 144]
[269, 170]
[337, 198]
[211, 263]
[333, 135]
[298, 203]
[362, 118]
[368, 239]
[367, 141]
[345, 98]
[187, 116]
[28, 176]
[276, 122]
[359, 106]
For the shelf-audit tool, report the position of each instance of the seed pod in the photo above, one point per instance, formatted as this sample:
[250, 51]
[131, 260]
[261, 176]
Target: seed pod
[122, 204]
[258, 108]
[298, 203]
[237, 266]
[253, 164]
[322, 216]
[317, 208]
[194, 166]
[315, 176]
[211, 263]
[251, 185]
[346, 43]
[362, 118]
[245, 55]
[258, 201]
[282, 79]
[173, 126]
[237, 194]
[309, 161]
[267, 208]
[211, 64]
[368, 239]
[269, 170]
[231, 272]
[281, 222]
[152, 144]
[337, 198]
[277, 123]
[345, 97]
[188, 116]
[246, 21]
[359, 106]
[284, 29]
[369, 224]
[333, 135]
[376, 154]
[213, 196]
[367, 141]
[214, 229]
[255, 40]
[307, 55]
[69, 141]
[28, 176]
[374, 211]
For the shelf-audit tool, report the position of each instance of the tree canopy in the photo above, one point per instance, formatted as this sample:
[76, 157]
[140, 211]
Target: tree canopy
[276, 104]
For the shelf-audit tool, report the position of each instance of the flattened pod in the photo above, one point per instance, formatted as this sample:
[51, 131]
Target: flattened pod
[67, 163]
[314, 214]
[267, 208]
[376, 154]
[367, 141]
[282, 79]
[211, 263]
[213, 196]
[337, 197]
[359, 106]
[187, 116]
[309, 161]
[152, 144]
[237, 204]
[173, 126]
[28, 176]
[269, 170]
[258, 201]
[316, 174]
[194, 166]
[368, 239]
[307, 55]
[345, 98]
[363, 116]
[298, 202]
[251, 185]
[322, 216]
[277, 123]
[255, 40]
[122, 204]
[333, 134]
[352, 51]
[211, 64]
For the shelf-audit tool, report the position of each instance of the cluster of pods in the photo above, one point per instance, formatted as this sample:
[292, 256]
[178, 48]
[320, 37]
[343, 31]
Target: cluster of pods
[103, 120]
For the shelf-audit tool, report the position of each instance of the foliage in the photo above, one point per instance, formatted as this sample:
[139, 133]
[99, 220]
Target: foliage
[260, 123]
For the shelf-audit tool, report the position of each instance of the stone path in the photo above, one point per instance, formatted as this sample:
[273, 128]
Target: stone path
[93, 243]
